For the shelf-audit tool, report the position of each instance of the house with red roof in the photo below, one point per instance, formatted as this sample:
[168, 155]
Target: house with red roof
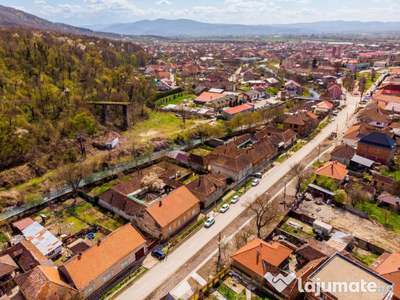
[332, 169]
[301, 122]
[108, 259]
[231, 112]
[206, 97]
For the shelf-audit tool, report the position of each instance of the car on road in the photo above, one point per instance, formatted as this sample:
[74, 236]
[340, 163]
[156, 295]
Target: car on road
[334, 113]
[178, 115]
[333, 120]
[209, 222]
[224, 208]
[235, 199]
[255, 182]
[158, 254]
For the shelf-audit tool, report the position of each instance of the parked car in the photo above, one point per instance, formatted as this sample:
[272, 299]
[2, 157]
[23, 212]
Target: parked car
[333, 120]
[255, 182]
[334, 113]
[257, 175]
[224, 208]
[209, 222]
[178, 115]
[158, 254]
[235, 199]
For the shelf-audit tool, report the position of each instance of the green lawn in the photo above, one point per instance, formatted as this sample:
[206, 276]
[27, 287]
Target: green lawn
[228, 292]
[160, 124]
[368, 260]
[200, 151]
[378, 214]
[394, 174]
[367, 76]
[92, 215]
[296, 232]
[178, 100]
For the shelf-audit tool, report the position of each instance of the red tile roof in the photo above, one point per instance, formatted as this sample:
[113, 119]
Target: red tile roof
[273, 254]
[101, 257]
[238, 109]
[207, 96]
[172, 206]
[332, 169]
[7, 265]
[44, 283]
[390, 264]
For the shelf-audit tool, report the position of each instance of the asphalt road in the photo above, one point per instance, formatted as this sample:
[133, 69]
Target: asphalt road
[154, 277]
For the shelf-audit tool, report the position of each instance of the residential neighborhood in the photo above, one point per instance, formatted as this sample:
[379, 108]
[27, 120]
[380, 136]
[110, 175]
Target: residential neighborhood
[237, 169]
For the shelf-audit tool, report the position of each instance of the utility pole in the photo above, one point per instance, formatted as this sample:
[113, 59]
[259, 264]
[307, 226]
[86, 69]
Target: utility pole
[284, 191]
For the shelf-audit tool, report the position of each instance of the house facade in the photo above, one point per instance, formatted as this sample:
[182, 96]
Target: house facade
[208, 188]
[301, 123]
[293, 89]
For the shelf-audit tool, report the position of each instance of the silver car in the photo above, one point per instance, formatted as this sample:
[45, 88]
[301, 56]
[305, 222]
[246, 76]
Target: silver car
[235, 199]
[224, 208]
[209, 222]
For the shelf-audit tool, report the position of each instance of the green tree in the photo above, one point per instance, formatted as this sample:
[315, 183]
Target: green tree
[84, 122]
[372, 74]
[340, 196]
[314, 63]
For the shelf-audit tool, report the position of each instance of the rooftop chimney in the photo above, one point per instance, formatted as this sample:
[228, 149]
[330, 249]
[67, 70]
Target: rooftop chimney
[160, 203]
[98, 243]
[80, 255]
[258, 256]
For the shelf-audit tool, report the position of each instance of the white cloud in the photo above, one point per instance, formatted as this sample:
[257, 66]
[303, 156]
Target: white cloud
[39, 2]
[161, 2]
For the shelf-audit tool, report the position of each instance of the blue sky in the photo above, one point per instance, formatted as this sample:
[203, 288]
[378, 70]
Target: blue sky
[89, 12]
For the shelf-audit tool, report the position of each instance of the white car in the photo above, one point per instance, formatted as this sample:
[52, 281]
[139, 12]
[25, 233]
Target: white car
[255, 182]
[333, 120]
[224, 208]
[209, 222]
[235, 199]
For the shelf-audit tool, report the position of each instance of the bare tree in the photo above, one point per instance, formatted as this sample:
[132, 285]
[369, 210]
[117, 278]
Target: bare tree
[73, 174]
[243, 236]
[151, 182]
[300, 175]
[265, 211]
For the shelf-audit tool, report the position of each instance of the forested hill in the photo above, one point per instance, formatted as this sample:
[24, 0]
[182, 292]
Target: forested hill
[17, 18]
[46, 82]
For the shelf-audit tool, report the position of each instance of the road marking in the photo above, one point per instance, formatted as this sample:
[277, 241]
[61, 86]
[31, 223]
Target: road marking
[192, 246]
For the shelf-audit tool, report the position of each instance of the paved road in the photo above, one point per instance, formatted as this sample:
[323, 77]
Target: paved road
[162, 271]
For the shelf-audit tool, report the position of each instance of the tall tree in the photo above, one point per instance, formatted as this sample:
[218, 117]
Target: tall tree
[264, 210]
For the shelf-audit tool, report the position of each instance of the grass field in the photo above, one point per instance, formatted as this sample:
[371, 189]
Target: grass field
[200, 151]
[367, 76]
[178, 100]
[160, 124]
[379, 214]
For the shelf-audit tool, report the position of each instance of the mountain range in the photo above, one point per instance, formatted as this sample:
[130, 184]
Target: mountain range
[184, 27]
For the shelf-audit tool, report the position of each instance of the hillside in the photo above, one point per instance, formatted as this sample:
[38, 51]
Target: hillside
[17, 18]
[47, 80]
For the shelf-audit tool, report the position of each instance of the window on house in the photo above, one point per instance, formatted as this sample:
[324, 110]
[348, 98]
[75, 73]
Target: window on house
[193, 211]
[184, 218]
[108, 276]
[169, 229]
[179, 223]
[90, 290]
[296, 126]
[125, 263]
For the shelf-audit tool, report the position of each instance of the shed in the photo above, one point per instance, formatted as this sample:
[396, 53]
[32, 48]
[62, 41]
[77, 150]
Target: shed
[325, 228]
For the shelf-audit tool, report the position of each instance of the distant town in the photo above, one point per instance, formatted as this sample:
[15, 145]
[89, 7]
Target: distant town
[198, 170]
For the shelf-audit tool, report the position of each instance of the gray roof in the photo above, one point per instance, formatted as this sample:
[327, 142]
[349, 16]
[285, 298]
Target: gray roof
[321, 189]
[378, 139]
[362, 161]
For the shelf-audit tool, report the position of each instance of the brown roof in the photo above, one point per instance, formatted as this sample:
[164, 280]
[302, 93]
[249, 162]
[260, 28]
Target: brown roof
[206, 184]
[172, 206]
[273, 254]
[344, 151]
[374, 114]
[122, 202]
[315, 250]
[233, 163]
[384, 179]
[97, 259]
[81, 246]
[4, 297]
[44, 283]
[300, 118]
[22, 224]
[27, 255]
[284, 135]
[332, 169]
[7, 265]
